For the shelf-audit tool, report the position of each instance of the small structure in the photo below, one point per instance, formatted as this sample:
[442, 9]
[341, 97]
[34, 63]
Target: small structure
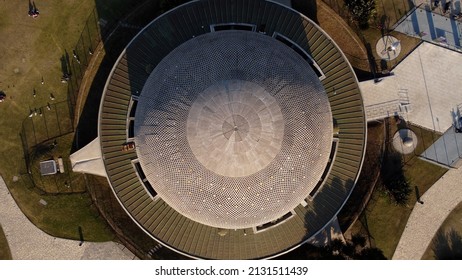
[89, 159]
[388, 47]
[405, 141]
[60, 165]
[48, 167]
[128, 146]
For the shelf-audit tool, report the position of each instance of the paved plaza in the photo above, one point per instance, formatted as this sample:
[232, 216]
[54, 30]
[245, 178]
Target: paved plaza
[27, 242]
[425, 88]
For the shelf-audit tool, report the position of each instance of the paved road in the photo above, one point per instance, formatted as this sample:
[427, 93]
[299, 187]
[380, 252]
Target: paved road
[426, 218]
[27, 242]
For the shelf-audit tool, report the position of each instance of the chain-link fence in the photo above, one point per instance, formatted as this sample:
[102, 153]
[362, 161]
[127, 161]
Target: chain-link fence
[75, 62]
[48, 122]
[43, 128]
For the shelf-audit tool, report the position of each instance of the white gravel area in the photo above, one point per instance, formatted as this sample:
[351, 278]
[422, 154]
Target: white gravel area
[27, 242]
[426, 218]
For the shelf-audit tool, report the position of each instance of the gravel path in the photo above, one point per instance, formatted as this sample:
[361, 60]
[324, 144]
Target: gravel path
[27, 242]
[426, 218]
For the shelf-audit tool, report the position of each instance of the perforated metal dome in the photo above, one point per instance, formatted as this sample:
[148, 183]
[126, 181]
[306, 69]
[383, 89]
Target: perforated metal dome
[233, 129]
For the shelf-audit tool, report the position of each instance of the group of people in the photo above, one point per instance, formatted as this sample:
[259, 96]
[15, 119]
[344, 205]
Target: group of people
[2, 96]
[33, 12]
[65, 78]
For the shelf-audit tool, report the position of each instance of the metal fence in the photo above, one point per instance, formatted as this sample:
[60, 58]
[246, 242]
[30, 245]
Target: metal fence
[75, 62]
[56, 119]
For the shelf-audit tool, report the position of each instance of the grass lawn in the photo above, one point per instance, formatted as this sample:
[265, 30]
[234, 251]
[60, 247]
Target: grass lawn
[30, 50]
[5, 253]
[390, 11]
[63, 213]
[447, 242]
[67, 182]
[383, 220]
[67, 208]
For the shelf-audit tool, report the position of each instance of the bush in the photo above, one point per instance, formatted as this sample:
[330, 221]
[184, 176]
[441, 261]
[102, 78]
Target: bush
[361, 11]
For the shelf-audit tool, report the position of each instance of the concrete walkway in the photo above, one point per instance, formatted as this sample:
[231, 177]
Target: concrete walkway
[27, 242]
[426, 218]
[425, 89]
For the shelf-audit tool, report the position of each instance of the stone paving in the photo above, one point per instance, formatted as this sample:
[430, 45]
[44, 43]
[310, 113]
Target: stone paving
[426, 218]
[426, 88]
[27, 242]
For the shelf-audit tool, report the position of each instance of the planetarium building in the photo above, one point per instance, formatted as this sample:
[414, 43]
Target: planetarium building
[232, 129]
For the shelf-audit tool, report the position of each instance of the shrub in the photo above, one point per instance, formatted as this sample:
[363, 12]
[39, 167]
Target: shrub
[361, 10]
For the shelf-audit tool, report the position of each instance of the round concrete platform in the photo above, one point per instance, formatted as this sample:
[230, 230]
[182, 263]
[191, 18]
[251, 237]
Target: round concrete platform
[405, 141]
[388, 47]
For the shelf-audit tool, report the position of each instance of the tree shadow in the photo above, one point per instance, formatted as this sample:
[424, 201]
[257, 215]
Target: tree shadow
[363, 75]
[65, 64]
[371, 58]
[328, 243]
[384, 24]
[393, 179]
[81, 236]
[383, 65]
[417, 195]
[117, 30]
[447, 245]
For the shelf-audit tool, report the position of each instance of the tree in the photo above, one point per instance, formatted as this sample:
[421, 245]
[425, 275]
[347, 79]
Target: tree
[361, 10]
[394, 181]
[337, 249]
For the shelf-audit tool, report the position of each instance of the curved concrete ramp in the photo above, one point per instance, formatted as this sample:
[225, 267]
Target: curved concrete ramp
[27, 242]
[426, 219]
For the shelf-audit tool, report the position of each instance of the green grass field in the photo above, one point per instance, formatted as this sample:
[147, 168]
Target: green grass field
[30, 50]
[446, 243]
[383, 220]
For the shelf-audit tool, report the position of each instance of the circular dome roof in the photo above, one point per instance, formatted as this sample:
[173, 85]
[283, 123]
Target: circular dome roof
[233, 129]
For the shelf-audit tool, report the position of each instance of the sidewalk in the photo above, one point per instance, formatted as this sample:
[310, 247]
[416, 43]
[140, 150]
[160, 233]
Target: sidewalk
[27, 242]
[426, 218]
